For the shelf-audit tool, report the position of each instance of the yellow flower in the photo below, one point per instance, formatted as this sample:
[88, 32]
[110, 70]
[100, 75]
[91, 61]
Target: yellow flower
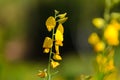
[115, 24]
[50, 23]
[46, 50]
[48, 43]
[57, 49]
[111, 35]
[59, 43]
[59, 37]
[112, 76]
[101, 60]
[98, 22]
[57, 57]
[60, 28]
[93, 38]
[100, 46]
[109, 66]
[42, 74]
[54, 64]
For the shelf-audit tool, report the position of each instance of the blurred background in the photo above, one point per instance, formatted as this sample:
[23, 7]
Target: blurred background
[22, 32]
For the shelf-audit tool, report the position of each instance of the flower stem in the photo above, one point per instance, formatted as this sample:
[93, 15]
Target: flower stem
[49, 62]
[101, 75]
[107, 10]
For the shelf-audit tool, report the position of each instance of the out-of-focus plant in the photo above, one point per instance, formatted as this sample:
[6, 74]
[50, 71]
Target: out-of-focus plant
[51, 44]
[105, 41]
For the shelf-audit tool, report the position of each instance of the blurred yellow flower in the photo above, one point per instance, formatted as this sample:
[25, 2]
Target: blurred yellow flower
[57, 57]
[111, 35]
[100, 46]
[112, 76]
[109, 66]
[54, 64]
[50, 23]
[98, 22]
[42, 74]
[101, 60]
[115, 24]
[93, 38]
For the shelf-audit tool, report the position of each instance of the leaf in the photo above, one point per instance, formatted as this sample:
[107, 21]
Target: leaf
[50, 23]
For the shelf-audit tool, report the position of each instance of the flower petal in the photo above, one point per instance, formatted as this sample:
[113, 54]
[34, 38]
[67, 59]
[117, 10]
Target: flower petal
[50, 23]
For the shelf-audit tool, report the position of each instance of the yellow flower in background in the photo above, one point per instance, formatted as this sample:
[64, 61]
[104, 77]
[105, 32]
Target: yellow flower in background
[93, 38]
[115, 24]
[50, 23]
[54, 64]
[100, 46]
[48, 43]
[109, 66]
[42, 74]
[98, 22]
[111, 35]
[101, 60]
[112, 76]
[57, 57]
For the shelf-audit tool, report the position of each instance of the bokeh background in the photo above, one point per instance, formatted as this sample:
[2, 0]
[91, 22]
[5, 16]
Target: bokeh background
[22, 32]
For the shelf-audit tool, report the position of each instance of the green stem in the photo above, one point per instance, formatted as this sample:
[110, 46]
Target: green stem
[101, 75]
[107, 10]
[49, 62]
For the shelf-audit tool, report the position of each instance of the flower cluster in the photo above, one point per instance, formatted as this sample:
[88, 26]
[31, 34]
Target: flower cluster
[105, 41]
[54, 25]
[110, 35]
[103, 44]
